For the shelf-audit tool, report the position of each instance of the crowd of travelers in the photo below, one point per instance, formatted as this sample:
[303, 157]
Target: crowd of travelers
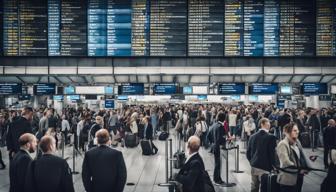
[275, 141]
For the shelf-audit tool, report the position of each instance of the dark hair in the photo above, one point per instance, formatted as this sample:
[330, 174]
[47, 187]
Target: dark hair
[221, 117]
[27, 110]
[46, 143]
[289, 127]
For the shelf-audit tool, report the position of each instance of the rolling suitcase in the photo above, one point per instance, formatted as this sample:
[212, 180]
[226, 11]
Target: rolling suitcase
[179, 156]
[305, 139]
[146, 147]
[269, 183]
[131, 140]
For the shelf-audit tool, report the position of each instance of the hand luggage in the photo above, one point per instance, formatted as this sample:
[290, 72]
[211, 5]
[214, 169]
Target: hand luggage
[269, 183]
[305, 139]
[179, 156]
[131, 140]
[163, 136]
[146, 147]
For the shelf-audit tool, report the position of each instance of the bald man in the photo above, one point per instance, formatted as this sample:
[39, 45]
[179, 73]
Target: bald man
[329, 138]
[191, 174]
[20, 162]
[104, 168]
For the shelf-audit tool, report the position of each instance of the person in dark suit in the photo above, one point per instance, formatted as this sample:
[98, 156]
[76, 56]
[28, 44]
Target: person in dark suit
[329, 138]
[217, 136]
[17, 128]
[261, 153]
[103, 168]
[49, 172]
[148, 133]
[191, 173]
[20, 162]
[314, 125]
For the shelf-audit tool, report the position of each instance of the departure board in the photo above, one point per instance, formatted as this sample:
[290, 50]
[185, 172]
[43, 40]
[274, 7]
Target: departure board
[73, 28]
[33, 28]
[11, 28]
[127, 28]
[168, 32]
[234, 28]
[1, 31]
[324, 29]
[141, 28]
[253, 28]
[205, 28]
[271, 27]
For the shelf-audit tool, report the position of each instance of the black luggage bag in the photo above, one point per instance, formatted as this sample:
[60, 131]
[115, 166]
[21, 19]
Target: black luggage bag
[269, 183]
[131, 140]
[305, 139]
[146, 147]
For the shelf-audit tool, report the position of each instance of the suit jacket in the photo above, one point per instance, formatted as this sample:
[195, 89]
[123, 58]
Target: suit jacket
[217, 134]
[329, 137]
[148, 131]
[261, 150]
[17, 128]
[288, 158]
[49, 173]
[18, 170]
[314, 122]
[104, 170]
[191, 175]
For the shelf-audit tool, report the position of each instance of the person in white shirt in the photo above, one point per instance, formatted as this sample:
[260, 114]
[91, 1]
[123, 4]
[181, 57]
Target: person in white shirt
[65, 128]
[233, 122]
[248, 127]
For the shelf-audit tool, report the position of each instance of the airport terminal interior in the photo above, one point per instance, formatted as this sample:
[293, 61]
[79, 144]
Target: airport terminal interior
[172, 77]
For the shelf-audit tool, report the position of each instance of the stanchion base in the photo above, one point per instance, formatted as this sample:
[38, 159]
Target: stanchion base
[234, 171]
[228, 185]
[75, 172]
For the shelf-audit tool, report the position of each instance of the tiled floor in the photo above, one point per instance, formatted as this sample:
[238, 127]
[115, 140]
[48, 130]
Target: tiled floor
[146, 172]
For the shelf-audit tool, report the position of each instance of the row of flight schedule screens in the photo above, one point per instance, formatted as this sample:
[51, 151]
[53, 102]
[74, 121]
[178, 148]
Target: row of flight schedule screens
[168, 89]
[168, 28]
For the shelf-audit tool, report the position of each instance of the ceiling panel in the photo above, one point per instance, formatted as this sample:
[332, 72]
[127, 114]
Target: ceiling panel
[142, 79]
[122, 78]
[282, 79]
[312, 79]
[297, 78]
[269, 78]
[183, 78]
[223, 78]
[9, 79]
[327, 78]
[167, 79]
[108, 79]
[250, 78]
[154, 78]
[199, 79]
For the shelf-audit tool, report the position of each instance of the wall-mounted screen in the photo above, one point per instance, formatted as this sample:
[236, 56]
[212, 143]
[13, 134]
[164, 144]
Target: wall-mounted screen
[131, 89]
[109, 104]
[286, 89]
[73, 97]
[58, 97]
[187, 90]
[10, 88]
[69, 90]
[165, 89]
[24, 97]
[263, 88]
[44, 89]
[231, 89]
[109, 90]
[200, 90]
[314, 88]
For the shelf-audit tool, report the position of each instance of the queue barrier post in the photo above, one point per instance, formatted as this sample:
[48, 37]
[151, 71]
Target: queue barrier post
[227, 184]
[237, 160]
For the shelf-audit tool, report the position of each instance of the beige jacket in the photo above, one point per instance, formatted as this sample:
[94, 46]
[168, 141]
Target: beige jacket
[287, 158]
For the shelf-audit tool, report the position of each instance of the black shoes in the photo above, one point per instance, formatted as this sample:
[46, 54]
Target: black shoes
[219, 183]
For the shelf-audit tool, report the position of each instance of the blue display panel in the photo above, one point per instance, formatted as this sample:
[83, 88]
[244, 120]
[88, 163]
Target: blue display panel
[187, 90]
[231, 89]
[1, 31]
[58, 97]
[54, 27]
[45, 89]
[263, 88]
[287, 28]
[271, 27]
[234, 28]
[97, 27]
[73, 97]
[205, 28]
[119, 28]
[168, 33]
[131, 89]
[165, 89]
[109, 104]
[69, 90]
[202, 97]
[109, 90]
[314, 88]
[253, 28]
[10, 88]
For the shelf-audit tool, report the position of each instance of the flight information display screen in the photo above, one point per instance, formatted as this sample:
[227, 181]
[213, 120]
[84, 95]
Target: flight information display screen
[314, 88]
[131, 89]
[10, 88]
[45, 89]
[263, 88]
[192, 28]
[165, 89]
[231, 89]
